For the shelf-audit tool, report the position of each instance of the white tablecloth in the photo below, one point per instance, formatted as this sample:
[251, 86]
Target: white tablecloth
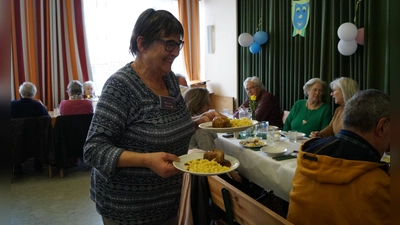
[260, 168]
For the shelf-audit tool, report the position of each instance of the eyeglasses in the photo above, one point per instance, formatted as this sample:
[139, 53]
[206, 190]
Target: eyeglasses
[170, 45]
[250, 88]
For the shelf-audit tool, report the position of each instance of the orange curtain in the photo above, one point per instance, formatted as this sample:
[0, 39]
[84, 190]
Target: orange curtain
[48, 47]
[189, 17]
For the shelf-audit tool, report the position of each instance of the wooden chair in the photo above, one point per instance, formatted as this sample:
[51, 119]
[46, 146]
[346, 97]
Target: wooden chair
[69, 138]
[219, 102]
[240, 207]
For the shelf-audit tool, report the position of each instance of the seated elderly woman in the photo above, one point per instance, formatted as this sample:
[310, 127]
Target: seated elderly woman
[76, 104]
[343, 89]
[268, 108]
[88, 90]
[310, 114]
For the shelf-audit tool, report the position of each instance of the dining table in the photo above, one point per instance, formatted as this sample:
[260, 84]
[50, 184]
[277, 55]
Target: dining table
[271, 174]
[53, 115]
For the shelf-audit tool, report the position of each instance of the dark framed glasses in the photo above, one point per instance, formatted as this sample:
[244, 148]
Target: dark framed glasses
[170, 45]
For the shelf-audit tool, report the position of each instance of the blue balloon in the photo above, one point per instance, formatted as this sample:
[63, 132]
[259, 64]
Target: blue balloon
[260, 37]
[254, 48]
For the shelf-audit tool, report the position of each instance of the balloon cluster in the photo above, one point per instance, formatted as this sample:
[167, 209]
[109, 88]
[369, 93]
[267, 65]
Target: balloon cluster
[349, 38]
[253, 42]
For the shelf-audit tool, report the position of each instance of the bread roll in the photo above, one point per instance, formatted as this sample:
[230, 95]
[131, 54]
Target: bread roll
[216, 154]
[220, 122]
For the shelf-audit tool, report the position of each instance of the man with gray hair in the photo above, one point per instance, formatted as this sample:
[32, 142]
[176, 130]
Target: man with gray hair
[341, 179]
[27, 106]
[267, 105]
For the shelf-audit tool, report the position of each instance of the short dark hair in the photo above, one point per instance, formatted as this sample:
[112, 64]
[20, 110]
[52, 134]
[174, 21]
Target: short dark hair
[152, 25]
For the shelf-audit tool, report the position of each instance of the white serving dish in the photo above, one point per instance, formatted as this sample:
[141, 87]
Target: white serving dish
[274, 150]
[299, 135]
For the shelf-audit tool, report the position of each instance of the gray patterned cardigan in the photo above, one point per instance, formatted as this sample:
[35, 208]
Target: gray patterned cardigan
[128, 117]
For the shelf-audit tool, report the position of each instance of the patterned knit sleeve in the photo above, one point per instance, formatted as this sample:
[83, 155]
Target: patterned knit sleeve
[102, 149]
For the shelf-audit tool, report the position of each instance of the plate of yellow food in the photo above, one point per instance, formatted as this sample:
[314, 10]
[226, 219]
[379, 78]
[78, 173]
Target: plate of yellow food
[226, 125]
[252, 143]
[208, 163]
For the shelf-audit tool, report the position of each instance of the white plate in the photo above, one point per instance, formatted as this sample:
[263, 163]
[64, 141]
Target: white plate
[275, 128]
[299, 135]
[273, 150]
[208, 126]
[186, 158]
[247, 144]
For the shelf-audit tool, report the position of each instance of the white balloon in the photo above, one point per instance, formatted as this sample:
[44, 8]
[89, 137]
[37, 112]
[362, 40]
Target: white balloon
[347, 47]
[245, 39]
[347, 31]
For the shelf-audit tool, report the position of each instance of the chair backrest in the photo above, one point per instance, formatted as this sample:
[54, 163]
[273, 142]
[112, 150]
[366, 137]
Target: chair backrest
[32, 137]
[285, 115]
[219, 102]
[244, 209]
[70, 134]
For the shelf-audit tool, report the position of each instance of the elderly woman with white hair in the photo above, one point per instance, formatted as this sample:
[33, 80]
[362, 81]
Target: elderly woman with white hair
[88, 89]
[310, 114]
[343, 89]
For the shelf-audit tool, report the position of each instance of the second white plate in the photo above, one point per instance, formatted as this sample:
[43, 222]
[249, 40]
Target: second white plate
[208, 126]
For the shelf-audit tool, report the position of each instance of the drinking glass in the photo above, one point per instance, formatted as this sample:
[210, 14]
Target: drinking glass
[270, 136]
[244, 112]
[255, 132]
[263, 129]
[292, 135]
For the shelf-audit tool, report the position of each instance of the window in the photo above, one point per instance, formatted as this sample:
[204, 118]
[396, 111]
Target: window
[109, 24]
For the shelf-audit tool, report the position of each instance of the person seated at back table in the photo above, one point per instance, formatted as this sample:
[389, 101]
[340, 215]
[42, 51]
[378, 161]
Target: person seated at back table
[27, 107]
[268, 108]
[341, 179]
[182, 83]
[76, 104]
[343, 89]
[198, 102]
[310, 114]
[88, 90]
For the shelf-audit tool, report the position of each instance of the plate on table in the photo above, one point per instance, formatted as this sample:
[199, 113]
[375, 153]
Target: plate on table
[253, 144]
[208, 126]
[188, 157]
[275, 128]
[299, 134]
[274, 151]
